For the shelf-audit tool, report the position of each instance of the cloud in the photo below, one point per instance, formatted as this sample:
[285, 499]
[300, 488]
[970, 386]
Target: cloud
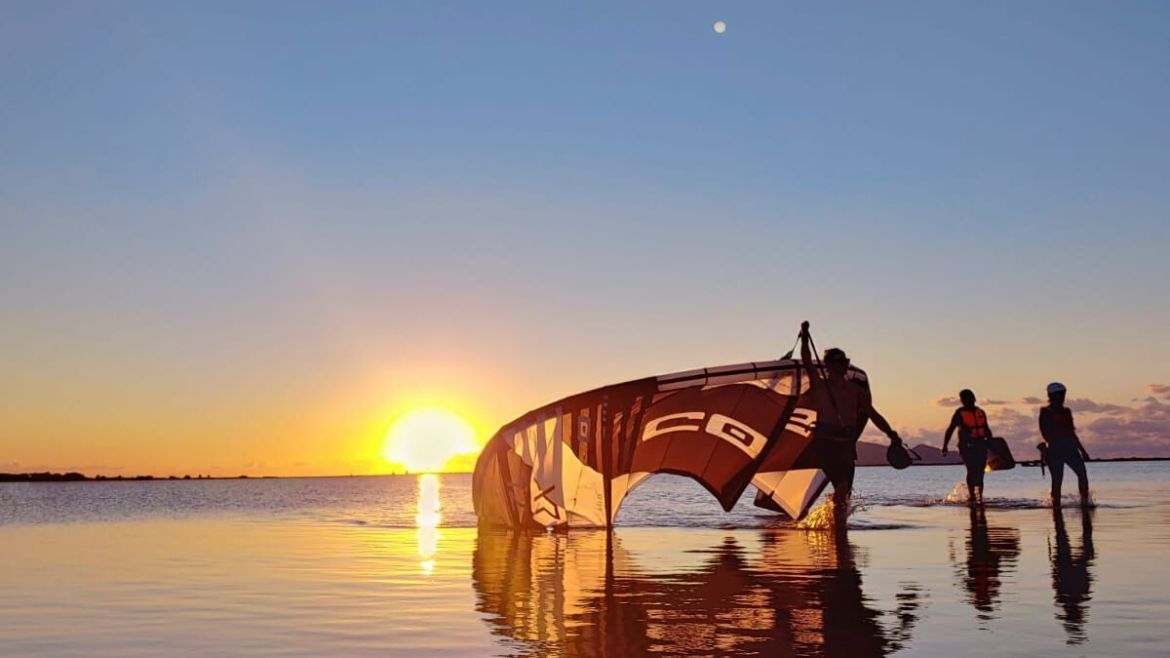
[1083, 405]
[952, 401]
[1143, 431]
[1159, 389]
[1032, 399]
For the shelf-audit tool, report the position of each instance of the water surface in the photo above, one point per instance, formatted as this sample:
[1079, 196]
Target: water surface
[355, 567]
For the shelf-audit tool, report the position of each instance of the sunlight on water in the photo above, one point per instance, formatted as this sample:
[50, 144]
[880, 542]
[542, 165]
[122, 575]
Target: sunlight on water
[428, 518]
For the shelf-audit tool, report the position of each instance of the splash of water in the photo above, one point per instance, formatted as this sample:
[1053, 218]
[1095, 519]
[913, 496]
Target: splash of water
[1072, 500]
[826, 515]
[958, 495]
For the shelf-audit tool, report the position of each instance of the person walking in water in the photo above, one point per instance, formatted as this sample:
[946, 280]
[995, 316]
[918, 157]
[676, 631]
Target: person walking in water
[1062, 446]
[971, 422]
[842, 409]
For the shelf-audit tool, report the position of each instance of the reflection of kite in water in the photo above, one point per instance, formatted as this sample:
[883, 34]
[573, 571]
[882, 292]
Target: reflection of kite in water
[570, 463]
[587, 594]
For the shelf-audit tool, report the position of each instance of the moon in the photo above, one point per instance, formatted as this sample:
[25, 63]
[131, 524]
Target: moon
[720, 27]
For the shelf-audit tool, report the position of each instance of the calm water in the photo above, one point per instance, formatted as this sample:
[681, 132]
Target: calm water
[365, 566]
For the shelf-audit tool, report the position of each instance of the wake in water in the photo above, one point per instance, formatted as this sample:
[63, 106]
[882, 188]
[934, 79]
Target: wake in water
[959, 496]
[1072, 500]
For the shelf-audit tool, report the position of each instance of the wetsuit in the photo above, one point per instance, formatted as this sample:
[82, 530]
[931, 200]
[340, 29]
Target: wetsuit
[1057, 428]
[973, 434]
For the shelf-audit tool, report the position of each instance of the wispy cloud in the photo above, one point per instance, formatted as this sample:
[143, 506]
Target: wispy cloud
[952, 401]
[1084, 405]
[1161, 390]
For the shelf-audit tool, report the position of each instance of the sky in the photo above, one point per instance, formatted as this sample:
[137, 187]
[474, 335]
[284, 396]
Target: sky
[245, 237]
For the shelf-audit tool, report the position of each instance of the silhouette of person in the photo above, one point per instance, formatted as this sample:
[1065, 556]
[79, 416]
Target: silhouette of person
[842, 410]
[1072, 578]
[1062, 445]
[990, 551]
[971, 421]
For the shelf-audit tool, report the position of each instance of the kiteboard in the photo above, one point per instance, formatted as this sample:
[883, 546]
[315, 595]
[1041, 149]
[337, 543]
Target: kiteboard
[999, 456]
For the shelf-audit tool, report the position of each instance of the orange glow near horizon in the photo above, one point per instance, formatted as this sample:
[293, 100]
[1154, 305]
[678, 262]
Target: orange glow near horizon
[425, 440]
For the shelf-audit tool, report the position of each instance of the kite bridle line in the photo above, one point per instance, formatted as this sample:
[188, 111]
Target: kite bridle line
[824, 376]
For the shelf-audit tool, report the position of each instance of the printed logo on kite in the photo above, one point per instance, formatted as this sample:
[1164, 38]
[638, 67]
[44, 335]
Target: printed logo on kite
[725, 428]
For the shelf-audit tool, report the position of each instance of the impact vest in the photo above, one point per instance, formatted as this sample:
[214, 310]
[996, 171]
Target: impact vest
[975, 423]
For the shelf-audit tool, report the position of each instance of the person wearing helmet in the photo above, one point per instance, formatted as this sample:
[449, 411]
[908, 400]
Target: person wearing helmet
[842, 408]
[1062, 445]
[971, 422]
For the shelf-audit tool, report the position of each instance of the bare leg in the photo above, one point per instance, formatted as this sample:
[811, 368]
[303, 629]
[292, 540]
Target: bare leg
[1078, 466]
[1056, 470]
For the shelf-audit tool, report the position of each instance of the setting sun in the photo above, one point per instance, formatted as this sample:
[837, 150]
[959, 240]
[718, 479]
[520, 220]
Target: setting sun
[424, 440]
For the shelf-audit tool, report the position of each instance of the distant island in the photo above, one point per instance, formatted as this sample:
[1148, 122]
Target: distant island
[81, 477]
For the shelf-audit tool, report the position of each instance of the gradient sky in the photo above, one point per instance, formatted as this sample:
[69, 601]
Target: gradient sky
[245, 236]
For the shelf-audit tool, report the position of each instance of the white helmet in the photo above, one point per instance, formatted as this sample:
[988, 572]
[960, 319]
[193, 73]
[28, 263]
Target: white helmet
[1056, 387]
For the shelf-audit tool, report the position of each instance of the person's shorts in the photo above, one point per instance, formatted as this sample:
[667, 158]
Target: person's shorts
[974, 453]
[835, 458]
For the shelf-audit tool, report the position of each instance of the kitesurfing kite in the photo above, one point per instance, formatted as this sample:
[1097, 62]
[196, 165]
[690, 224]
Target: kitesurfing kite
[572, 462]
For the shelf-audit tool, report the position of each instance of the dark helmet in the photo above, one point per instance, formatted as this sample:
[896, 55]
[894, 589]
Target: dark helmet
[897, 456]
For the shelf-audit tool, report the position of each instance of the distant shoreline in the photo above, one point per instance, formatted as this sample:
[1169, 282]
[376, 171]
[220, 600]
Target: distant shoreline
[81, 477]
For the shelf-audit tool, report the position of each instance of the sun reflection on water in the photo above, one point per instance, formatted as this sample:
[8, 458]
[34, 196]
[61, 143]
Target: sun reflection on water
[428, 518]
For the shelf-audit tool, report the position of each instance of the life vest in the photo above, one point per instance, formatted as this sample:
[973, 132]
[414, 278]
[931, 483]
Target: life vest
[974, 422]
[1060, 428]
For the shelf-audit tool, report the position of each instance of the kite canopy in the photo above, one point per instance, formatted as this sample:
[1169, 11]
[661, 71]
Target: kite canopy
[572, 462]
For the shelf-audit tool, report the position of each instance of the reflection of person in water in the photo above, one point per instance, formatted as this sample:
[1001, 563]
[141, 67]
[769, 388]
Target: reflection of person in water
[851, 628]
[1072, 578]
[991, 550]
[582, 594]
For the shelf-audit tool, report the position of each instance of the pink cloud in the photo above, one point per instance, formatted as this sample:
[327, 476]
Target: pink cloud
[952, 401]
[1159, 389]
[1032, 399]
[1083, 405]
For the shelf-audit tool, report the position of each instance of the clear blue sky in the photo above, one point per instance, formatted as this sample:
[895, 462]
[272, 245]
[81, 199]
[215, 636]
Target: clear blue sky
[239, 229]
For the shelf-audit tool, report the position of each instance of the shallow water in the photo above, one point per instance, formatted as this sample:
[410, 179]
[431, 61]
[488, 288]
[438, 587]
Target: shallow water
[341, 567]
